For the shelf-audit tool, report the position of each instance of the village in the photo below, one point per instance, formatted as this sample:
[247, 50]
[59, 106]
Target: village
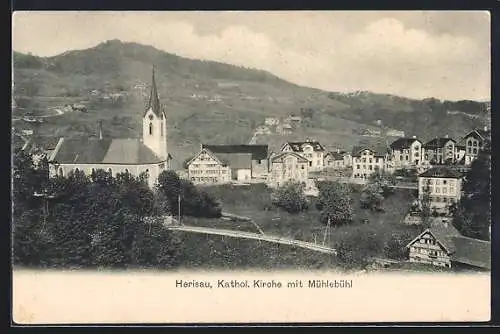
[436, 167]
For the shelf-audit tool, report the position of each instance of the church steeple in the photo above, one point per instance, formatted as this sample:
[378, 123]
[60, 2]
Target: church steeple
[154, 100]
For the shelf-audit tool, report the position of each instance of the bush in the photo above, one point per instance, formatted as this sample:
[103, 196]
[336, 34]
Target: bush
[357, 250]
[395, 247]
[290, 197]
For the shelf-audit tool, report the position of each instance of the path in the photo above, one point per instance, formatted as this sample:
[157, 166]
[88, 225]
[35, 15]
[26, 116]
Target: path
[254, 236]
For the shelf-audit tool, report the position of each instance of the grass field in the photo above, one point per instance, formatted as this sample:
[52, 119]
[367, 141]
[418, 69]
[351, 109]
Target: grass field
[254, 202]
[201, 251]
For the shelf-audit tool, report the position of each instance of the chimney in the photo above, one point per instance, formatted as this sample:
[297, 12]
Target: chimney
[414, 137]
[446, 136]
[100, 129]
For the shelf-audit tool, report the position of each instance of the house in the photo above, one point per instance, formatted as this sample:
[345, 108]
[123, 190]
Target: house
[311, 150]
[406, 152]
[231, 162]
[442, 245]
[206, 168]
[263, 130]
[475, 141]
[271, 121]
[440, 150]
[367, 160]
[443, 186]
[288, 166]
[460, 149]
[148, 155]
[337, 159]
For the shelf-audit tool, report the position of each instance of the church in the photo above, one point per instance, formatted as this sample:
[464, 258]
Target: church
[148, 154]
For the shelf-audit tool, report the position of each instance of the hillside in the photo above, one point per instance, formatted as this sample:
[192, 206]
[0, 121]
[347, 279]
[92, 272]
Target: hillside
[212, 102]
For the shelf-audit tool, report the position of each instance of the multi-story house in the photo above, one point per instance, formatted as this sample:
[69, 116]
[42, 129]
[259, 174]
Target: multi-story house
[271, 121]
[443, 246]
[313, 151]
[460, 149]
[337, 159]
[440, 150]
[368, 160]
[475, 142]
[286, 167]
[226, 163]
[443, 185]
[406, 152]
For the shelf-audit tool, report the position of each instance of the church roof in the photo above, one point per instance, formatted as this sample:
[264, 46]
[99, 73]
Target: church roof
[154, 100]
[104, 151]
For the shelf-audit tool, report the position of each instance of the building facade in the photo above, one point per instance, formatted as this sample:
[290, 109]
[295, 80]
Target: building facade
[440, 150]
[406, 152]
[148, 155]
[475, 142]
[206, 168]
[313, 151]
[443, 185]
[288, 167]
[369, 160]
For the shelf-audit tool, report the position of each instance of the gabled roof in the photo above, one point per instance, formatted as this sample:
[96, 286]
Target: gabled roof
[299, 146]
[336, 155]
[377, 150]
[441, 172]
[437, 143]
[210, 153]
[279, 157]
[481, 133]
[443, 233]
[154, 100]
[403, 143]
[258, 152]
[104, 151]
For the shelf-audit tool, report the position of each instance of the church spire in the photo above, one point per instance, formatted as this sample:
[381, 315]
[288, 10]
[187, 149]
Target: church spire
[154, 100]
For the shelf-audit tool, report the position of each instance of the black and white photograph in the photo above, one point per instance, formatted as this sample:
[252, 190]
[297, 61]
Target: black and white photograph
[203, 145]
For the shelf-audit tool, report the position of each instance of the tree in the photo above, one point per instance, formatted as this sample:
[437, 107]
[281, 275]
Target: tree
[169, 184]
[372, 198]
[425, 205]
[335, 202]
[385, 181]
[290, 197]
[395, 247]
[472, 216]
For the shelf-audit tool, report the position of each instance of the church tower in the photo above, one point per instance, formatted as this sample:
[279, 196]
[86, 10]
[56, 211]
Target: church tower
[154, 124]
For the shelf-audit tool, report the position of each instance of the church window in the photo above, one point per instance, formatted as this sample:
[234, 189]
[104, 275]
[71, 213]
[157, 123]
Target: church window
[110, 171]
[150, 128]
[61, 172]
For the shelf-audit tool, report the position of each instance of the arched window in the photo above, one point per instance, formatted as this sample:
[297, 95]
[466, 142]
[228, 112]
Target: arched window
[61, 172]
[110, 171]
[126, 171]
[151, 128]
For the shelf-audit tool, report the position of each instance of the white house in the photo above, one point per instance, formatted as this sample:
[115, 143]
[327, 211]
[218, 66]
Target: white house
[313, 151]
[288, 166]
[148, 155]
[368, 160]
[440, 150]
[443, 186]
[475, 141]
[406, 152]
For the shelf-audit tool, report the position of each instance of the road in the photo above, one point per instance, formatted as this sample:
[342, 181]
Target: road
[254, 236]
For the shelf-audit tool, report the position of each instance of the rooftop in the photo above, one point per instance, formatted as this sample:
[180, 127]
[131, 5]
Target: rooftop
[437, 143]
[441, 172]
[104, 151]
[402, 143]
[258, 152]
[377, 150]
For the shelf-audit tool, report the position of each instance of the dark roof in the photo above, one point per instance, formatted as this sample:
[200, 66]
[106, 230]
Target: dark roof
[105, 151]
[437, 143]
[472, 252]
[154, 100]
[441, 172]
[299, 146]
[443, 233]
[258, 152]
[337, 155]
[236, 160]
[281, 155]
[402, 143]
[378, 150]
[483, 134]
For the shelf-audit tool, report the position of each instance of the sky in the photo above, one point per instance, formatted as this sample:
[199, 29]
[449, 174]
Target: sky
[419, 54]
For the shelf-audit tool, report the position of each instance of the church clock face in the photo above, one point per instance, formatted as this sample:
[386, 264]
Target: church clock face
[151, 117]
